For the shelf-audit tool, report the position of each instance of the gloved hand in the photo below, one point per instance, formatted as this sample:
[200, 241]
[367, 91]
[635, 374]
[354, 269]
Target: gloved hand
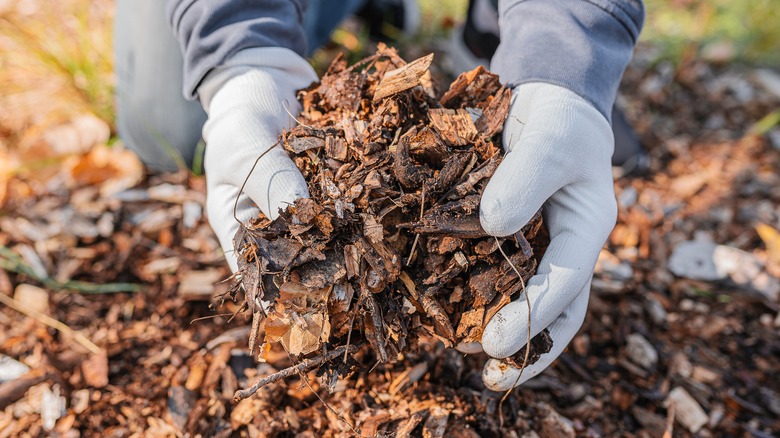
[247, 101]
[558, 154]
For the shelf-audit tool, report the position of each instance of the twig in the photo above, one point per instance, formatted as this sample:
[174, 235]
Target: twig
[327, 405]
[51, 322]
[417, 236]
[668, 433]
[255, 331]
[10, 261]
[287, 109]
[349, 336]
[202, 318]
[302, 367]
[527, 343]
[460, 181]
[241, 190]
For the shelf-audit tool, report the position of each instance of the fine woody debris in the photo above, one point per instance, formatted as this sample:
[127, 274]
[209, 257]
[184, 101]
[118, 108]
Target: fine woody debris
[389, 246]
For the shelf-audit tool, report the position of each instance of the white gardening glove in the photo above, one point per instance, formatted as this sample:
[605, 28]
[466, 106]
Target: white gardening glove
[249, 100]
[558, 154]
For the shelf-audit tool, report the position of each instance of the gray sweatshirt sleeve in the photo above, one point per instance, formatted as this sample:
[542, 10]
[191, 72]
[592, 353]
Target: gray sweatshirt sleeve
[582, 45]
[211, 31]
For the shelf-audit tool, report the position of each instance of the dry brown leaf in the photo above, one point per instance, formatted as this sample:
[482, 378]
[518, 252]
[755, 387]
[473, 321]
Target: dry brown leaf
[372, 229]
[771, 238]
[77, 136]
[113, 169]
[6, 173]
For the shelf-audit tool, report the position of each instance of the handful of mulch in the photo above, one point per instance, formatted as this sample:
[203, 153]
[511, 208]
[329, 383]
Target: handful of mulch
[389, 247]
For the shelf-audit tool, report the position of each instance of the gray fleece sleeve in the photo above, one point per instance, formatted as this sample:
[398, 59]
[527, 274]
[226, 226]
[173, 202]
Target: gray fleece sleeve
[582, 45]
[211, 31]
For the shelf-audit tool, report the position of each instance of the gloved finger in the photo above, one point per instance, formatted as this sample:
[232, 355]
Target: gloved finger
[524, 180]
[579, 218]
[220, 200]
[498, 376]
[240, 132]
[273, 184]
[553, 138]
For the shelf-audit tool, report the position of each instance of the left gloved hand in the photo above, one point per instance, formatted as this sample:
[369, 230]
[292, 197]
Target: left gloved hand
[558, 152]
[250, 99]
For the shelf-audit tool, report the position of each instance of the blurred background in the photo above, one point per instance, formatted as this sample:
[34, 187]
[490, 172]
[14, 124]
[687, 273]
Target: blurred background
[57, 60]
[103, 266]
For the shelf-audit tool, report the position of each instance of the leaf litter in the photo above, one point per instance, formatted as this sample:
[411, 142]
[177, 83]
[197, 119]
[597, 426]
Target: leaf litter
[174, 365]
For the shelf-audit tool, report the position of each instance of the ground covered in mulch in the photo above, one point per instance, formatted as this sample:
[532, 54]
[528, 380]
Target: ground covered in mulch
[664, 347]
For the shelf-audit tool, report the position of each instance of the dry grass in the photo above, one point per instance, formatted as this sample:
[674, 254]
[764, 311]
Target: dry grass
[56, 56]
[55, 63]
[747, 31]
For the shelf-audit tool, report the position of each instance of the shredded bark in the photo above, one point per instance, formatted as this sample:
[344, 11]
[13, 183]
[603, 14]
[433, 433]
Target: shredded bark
[394, 175]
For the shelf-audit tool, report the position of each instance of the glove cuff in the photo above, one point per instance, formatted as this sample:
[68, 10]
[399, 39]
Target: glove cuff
[283, 65]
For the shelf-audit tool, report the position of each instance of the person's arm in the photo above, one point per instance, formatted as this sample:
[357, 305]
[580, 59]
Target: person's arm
[243, 61]
[212, 31]
[581, 45]
[564, 60]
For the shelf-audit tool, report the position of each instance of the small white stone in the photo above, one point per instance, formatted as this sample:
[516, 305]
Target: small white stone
[702, 308]
[32, 297]
[680, 365]
[694, 259]
[105, 225]
[191, 213]
[613, 267]
[52, 407]
[686, 409]
[656, 310]
[774, 137]
[200, 283]
[627, 197]
[174, 194]
[640, 351]
[704, 375]
[701, 259]
[716, 415]
[11, 369]
[769, 80]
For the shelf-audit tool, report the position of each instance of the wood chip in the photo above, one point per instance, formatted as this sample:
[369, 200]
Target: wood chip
[403, 78]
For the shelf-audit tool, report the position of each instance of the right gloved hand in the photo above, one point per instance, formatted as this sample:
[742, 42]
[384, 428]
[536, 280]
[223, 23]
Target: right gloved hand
[558, 149]
[249, 100]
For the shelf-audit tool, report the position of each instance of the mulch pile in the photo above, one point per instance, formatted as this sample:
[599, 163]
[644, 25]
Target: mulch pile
[657, 351]
[389, 246]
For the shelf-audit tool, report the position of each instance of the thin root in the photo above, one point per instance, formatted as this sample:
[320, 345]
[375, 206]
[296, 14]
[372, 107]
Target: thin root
[527, 343]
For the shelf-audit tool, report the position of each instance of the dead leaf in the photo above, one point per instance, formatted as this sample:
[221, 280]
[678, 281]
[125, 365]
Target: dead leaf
[113, 169]
[771, 238]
